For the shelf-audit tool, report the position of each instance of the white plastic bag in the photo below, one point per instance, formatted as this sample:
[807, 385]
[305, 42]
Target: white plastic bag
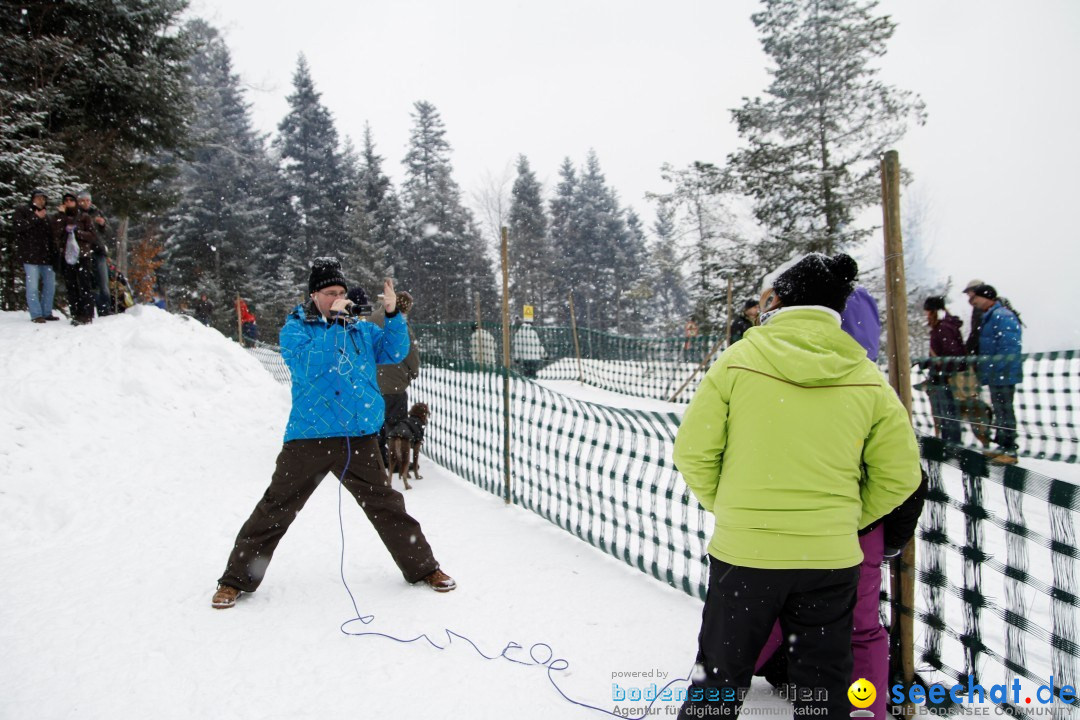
[71, 250]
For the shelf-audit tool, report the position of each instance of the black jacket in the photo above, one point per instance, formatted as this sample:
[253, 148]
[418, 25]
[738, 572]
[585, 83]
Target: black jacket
[34, 243]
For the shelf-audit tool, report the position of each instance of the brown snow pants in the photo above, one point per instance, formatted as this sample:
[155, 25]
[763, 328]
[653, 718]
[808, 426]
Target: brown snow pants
[301, 466]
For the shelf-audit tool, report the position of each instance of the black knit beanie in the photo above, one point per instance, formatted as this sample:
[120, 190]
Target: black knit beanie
[818, 280]
[325, 271]
[358, 296]
[934, 302]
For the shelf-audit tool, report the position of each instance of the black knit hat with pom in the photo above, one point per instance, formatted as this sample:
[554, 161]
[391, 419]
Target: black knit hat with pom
[325, 272]
[818, 280]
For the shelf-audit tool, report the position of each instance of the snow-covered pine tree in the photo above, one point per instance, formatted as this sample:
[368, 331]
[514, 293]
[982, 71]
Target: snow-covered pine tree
[670, 302]
[375, 230]
[601, 235]
[110, 78]
[532, 269]
[814, 143]
[632, 287]
[25, 164]
[216, 233]
[564, 236]
[447, 265]
[698, 209]
[314, 170]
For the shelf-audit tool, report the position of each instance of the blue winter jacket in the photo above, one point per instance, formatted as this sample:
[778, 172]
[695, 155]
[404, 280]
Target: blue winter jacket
[1000, 335]
[334, 391]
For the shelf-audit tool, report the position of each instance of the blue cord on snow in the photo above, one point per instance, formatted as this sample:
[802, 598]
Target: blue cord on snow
[552, 663]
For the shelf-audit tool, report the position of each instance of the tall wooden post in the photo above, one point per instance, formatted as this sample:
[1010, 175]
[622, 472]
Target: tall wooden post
[899, 350]
[730, 313]
[506, 360]
[577, 346]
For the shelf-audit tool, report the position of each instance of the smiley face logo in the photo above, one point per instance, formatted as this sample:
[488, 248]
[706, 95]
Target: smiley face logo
[862, 693]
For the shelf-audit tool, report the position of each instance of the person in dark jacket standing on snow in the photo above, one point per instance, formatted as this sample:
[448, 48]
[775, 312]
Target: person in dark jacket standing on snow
[946, 359]
[336, 414]
[35, 248]
[1001, 367]
[96, 224]
[71, 227]
[394, 379]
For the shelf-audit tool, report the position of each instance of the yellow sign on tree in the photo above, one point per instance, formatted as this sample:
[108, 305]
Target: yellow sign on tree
[527, 313]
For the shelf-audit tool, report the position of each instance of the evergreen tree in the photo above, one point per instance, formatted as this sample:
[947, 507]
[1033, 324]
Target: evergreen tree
[564, 237]
[445, 258]
[698, 210]
[813, 145]
[670, 304]
[26, 163]
[375, 231]
[108, 81]
[531, 262]
[631, 285]
[91, 92]
[215, 235]
[315, 173]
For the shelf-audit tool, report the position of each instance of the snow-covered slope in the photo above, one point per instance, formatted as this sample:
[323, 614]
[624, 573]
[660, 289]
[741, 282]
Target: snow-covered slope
[131, 451]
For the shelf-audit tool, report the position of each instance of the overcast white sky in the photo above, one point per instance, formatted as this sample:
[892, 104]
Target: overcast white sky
[644, 83]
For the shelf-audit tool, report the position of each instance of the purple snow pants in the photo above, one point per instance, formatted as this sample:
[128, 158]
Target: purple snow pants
[869, 640]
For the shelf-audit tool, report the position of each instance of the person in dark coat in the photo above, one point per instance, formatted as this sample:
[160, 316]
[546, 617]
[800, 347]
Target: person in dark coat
[946, 353]
[204, 309]
[74, 229]
[746, 320]
[96, 224]
[35, 248]
[1001, 366]
[335, 416]
[394, 379]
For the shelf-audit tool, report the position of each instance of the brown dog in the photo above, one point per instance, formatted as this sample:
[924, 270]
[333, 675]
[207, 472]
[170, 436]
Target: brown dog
[405, 436]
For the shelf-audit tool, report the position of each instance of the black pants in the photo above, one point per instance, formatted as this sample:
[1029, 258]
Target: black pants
[814, 608]
[79, 281]
[301, 466]
[1002, 397]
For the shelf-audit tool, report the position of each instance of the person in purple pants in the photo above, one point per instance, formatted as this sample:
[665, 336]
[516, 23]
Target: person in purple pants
[879, 541]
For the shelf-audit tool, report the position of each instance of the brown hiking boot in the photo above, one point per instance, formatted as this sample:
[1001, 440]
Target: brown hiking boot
[225, 597]
[440, 581]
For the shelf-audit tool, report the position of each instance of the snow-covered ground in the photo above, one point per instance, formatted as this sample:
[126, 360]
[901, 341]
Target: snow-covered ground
[131, 451]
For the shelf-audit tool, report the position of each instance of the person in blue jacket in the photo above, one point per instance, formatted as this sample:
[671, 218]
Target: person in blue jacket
[333, 427]
[1001, 367]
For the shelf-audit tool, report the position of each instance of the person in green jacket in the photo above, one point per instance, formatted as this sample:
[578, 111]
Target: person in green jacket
[794, 441]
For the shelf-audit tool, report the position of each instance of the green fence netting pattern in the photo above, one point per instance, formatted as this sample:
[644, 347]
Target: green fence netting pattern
[996, 578]
[657, 367]
[997, 593]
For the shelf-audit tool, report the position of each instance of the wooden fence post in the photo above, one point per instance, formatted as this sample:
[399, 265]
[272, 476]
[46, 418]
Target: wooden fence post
[899, 350]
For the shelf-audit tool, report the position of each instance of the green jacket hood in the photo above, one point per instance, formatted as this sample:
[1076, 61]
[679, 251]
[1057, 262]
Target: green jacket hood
[806, 346]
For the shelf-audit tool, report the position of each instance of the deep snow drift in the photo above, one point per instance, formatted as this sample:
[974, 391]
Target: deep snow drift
[131, 451]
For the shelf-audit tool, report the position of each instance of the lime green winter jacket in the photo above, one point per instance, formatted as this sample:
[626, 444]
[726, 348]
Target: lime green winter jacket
[795, 441]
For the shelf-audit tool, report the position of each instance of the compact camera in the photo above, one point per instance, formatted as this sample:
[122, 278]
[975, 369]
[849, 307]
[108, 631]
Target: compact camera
[359, 309]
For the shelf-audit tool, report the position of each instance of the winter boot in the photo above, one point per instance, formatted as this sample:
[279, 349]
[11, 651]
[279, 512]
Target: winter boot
[225, 597]
[440, 581]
